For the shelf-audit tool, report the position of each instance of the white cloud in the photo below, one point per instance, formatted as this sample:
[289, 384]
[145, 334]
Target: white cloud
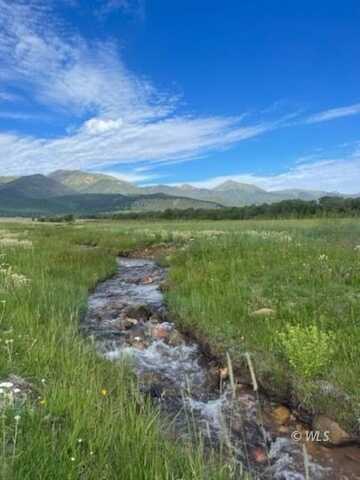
[131, 177]
[21, 116]
[130, 121]
[334, 113]
[340, 175]
[121, 119]
[98, 125]
[178, 138]
[63, 70]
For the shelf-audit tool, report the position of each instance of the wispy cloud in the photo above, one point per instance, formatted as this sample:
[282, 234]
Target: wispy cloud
[132, 7]
[63, 70]
[20, 116]
[132, 177]
[118, 119]
[131, 143]
[122, 118]
[8, 97]
[334, 113]
[330, 175]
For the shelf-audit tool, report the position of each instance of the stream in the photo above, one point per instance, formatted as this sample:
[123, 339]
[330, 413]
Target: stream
[127, 318]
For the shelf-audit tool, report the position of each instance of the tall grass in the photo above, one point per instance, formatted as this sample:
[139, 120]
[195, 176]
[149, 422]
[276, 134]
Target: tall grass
[84, 418]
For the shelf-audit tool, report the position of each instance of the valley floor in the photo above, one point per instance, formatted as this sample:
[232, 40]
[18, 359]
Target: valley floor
[285, 291]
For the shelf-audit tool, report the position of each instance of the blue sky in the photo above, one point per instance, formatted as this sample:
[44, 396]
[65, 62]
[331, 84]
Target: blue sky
[188, 91]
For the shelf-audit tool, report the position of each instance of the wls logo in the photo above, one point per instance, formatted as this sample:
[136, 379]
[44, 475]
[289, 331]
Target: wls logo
[311, 436]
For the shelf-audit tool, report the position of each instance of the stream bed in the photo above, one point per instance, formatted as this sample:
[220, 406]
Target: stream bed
[127, 318]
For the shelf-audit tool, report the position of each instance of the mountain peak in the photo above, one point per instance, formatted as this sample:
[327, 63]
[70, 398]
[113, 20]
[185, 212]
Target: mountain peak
[36, 186]
[89, 182]
[233, 185]
[187, 187]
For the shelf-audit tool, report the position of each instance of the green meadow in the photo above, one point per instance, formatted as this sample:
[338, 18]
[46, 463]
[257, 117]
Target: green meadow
[287, 292]
[84, 418]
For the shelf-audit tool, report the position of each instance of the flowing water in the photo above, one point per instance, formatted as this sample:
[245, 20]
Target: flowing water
[127, 319]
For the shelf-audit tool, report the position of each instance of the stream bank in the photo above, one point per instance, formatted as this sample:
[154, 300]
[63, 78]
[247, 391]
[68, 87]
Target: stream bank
[127, 318]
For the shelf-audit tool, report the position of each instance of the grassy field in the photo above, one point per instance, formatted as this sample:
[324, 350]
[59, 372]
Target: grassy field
[288, 293]
[84, 418]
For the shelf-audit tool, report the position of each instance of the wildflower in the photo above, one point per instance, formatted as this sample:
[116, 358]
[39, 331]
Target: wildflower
[80, 440]
[103, 392]
[10, 241]
[6, 384]
[72, 459]
[17, 418]
[43, 381]
[91, 452]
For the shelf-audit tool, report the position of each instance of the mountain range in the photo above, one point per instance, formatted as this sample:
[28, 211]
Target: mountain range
[40, 195]
[229, 193]
[84, 193]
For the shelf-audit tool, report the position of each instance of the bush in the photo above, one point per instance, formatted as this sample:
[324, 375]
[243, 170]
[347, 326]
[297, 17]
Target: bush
[307, 349]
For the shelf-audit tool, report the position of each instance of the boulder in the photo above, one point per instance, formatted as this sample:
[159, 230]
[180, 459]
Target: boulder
[128, 322]
[147, 280]
[330, 430]
[281, 415]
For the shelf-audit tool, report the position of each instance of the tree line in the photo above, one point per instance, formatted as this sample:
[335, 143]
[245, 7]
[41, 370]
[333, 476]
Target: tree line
[324, 207]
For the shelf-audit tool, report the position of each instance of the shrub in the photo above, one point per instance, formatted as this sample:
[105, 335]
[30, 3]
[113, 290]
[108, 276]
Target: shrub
[308, 349]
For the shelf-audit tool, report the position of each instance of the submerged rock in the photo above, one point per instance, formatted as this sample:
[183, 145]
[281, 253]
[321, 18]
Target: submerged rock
[260, 455]
[148, 280]
[161, 331]
[175, 338]
[128, 322]
[137, 312]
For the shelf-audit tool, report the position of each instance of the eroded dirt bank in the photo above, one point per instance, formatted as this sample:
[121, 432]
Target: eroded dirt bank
[128, 318]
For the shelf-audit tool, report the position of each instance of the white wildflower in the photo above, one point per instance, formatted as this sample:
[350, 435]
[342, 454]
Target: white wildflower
[6, 385]
[9, 242]
[268, 235]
